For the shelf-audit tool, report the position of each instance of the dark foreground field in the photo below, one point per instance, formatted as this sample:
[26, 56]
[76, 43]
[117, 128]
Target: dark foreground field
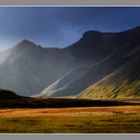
[69, 116]
[23, 102]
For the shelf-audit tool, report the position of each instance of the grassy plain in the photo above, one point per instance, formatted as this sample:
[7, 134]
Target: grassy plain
[109, 116]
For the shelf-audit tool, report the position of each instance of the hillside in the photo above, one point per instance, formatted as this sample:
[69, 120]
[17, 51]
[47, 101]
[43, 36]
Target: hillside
[123, 82]
[62, 87]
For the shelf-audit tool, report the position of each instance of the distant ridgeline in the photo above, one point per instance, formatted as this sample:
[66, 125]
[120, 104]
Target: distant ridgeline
[99, 65]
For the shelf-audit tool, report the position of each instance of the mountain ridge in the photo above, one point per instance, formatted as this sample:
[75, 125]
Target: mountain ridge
[122, 54]
[28, 69]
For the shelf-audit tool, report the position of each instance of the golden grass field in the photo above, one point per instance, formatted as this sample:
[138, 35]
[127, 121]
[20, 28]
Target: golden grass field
[115, 119]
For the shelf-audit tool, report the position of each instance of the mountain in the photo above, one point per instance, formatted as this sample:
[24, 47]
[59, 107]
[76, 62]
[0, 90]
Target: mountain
[123, 81]
[116, 46]
[28, 68]
[93, 47]
[90, 76]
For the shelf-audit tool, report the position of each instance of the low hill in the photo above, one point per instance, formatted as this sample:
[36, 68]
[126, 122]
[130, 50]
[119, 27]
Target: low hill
[6, 94]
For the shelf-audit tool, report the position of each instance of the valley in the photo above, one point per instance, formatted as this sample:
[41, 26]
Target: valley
[66, 115]
[118, 119]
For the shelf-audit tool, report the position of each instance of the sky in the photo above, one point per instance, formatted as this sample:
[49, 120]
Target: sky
[61, 26]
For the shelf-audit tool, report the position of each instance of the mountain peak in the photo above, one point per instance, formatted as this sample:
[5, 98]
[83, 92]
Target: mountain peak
[92, 34]
[26, 42]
